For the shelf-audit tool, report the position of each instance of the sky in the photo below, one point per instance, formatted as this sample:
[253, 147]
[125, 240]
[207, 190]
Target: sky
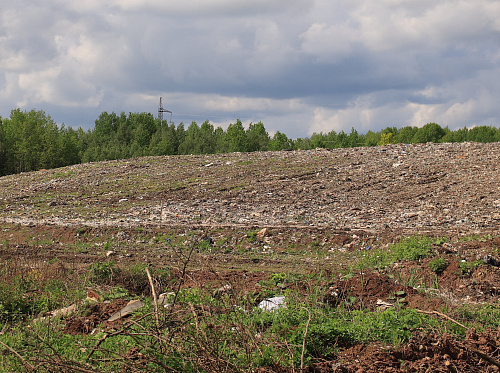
[299, 66]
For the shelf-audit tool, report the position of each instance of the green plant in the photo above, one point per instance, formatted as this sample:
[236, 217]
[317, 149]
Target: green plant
[412, 278]
[438, 265]
[407, 249]
[252, 236]
[116, 293]
[107, 246]
[413, 248]
[466, 267]
[104, 270]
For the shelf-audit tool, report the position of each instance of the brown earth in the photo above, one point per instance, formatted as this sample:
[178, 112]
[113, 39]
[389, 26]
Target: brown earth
[322, 209]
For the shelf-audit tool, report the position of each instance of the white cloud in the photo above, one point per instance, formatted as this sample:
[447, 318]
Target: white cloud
[382, 63]
[329, 43]
[50, 87]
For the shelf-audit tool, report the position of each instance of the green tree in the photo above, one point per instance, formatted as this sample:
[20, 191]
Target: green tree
[302, 144]
[372, 138]
[318, 140]
[164, 141]
[257, 137]
[180, 134]
[189, 144]
[3, 149]
[342, 140]
[482, 134]
[280, 142]
[221, 142]
[70, 152]
[125, 132]
[497, 135]
[406, 134]
[144, 127]
[106, 126]
[237, 137]
[431, 132]
[386, 139]
[206, 142]
[31, 139]
[354, 139]
[393, 130]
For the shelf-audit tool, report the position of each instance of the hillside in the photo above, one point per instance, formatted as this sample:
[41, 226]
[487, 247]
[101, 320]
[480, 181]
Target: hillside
[406, 234]
[400, 187]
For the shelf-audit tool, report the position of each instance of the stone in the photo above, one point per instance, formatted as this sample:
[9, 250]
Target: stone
[263, 233]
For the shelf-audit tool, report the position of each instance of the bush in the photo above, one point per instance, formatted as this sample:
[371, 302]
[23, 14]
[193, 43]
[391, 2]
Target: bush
[438, 265]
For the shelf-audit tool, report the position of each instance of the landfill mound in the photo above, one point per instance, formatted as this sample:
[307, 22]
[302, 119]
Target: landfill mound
[251, 215]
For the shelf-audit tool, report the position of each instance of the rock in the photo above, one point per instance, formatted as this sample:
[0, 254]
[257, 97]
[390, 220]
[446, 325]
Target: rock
[263, 233]
[110, 253]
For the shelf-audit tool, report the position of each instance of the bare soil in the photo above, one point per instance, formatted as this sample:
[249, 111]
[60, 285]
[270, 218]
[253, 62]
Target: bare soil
[321, 209]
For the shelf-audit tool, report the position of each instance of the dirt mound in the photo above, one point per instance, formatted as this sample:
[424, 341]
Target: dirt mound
[416, 187]
[96, 315]
[430, 353]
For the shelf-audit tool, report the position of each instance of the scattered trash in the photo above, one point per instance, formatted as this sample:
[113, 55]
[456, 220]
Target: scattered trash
[272, 304]
[384, 305]
[127, 310]
[59, 312]
[164, 297]
[488, 259]
[223, 290]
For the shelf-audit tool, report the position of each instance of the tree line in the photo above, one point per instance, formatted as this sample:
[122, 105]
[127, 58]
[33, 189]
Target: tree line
[31, 140]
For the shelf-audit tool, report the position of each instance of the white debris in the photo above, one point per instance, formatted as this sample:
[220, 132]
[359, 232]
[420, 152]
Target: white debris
[272, 304]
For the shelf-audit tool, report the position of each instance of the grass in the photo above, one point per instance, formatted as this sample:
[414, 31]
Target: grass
[412, 248]
[203, 330]
[207, 333]
[438, 265]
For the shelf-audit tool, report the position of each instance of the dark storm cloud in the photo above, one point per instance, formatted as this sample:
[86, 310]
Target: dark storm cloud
[300, 66]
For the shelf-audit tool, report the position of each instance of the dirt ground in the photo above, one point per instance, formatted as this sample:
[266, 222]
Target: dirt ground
[252, 215]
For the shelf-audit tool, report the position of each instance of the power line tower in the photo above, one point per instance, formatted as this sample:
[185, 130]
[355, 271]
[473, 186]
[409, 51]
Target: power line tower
[161, 110]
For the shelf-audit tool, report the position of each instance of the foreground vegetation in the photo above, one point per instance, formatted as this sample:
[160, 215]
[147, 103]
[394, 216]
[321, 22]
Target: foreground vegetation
[31, 140]
[206, 329]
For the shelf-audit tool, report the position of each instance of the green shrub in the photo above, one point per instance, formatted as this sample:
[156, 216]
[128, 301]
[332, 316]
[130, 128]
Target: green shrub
[465, 267]
[438, 265]
[104, 270]
[407, 249]
[413, 248]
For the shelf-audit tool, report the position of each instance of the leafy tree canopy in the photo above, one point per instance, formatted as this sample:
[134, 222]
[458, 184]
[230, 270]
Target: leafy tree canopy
[30, 140]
